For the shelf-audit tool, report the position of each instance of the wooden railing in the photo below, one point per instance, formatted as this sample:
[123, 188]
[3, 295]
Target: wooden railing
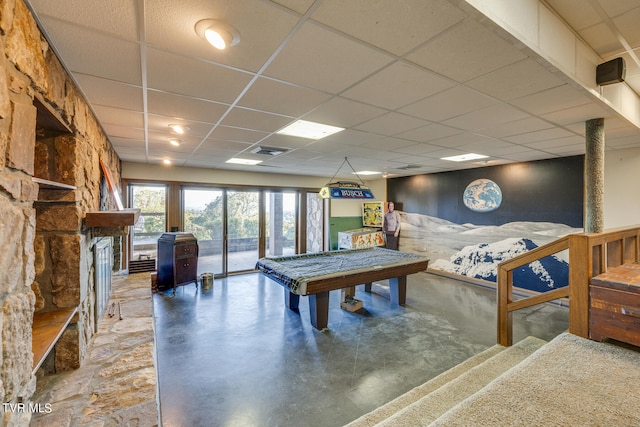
[590, 254]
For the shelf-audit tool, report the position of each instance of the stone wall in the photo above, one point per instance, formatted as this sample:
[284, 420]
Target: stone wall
[46, 260]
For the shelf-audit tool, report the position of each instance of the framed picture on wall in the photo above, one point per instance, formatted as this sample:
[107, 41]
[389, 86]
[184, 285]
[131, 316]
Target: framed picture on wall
[372, 214]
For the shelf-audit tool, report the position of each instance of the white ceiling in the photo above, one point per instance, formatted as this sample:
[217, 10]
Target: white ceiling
[411, 81]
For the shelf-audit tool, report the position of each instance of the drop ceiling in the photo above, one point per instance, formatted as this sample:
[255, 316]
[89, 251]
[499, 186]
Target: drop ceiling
[411, 82]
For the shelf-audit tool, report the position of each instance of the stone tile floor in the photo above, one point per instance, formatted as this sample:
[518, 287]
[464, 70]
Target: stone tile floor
[116, 384]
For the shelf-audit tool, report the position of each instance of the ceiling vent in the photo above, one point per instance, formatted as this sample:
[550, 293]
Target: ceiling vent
[408, 167]
[269, 151]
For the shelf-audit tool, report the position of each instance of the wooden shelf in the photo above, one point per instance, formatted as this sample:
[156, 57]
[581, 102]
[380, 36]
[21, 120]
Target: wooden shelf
[46, 330]
[121, 218]
[52, 185]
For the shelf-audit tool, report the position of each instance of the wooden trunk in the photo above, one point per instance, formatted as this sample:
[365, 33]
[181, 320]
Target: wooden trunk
[615, 305]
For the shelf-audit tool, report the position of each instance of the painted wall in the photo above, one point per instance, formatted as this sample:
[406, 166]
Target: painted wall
[540, 191]
[621, 197]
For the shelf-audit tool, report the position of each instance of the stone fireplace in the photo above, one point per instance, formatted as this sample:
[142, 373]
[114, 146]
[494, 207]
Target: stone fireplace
[50, 181]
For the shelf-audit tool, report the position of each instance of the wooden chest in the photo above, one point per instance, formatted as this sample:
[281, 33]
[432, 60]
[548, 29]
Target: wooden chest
[615, 305]
[177, 260]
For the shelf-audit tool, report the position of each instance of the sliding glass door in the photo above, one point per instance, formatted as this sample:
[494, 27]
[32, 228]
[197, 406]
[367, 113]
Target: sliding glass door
[203, 216]
[280, 223]
[151, 200]
[243, 230]
[234, 227]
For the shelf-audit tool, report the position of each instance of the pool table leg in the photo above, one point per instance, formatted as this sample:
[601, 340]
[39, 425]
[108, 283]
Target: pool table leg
[398, 290]
[291, 300]
[319, 309]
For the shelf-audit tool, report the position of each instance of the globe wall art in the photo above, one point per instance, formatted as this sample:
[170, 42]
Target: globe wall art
[482, 195]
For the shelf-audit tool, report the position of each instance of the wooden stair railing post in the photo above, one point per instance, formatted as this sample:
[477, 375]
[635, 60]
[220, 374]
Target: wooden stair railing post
[580, 272]
[505, 317]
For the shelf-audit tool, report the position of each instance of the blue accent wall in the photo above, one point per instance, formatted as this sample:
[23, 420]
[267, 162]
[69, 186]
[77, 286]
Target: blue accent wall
[541, 191]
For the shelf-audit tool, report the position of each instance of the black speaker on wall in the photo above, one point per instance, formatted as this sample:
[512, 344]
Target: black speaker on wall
[610, 72]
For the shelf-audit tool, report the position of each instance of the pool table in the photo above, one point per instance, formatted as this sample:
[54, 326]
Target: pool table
[315, 275]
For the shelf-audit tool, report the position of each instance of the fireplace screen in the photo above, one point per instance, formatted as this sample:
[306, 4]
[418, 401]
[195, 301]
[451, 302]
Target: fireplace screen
[103, 264]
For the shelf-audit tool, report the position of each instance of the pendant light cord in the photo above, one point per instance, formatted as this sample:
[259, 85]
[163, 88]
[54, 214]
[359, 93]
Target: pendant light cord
[346, 160]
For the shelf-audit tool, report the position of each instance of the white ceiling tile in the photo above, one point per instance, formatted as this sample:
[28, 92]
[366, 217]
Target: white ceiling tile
[128, 144]
[120, 117]
[391, 124]
[115, 17]
[344, 112]
[377, 23]
[300, 6]
[163, 138]
[557, 98]
[168, 104]
[554, 144]
[600, 38]
[97, 54]
[486, 118]
[284, 141]
[429, 133]
[109, 93]
[182, 149]
[237, 134]
[627, 24]
[529, 155]
[177, 74]
[275, 97]
[255, 120]
[397, 85]
[577, 15]
[516, 80]
[157, 123]
[418, 149]
[516, 127]
[262, 27]
[211, 146]
[389, 144]
[353, 137]
[466, 51]
[116, 131]
[449, 103]
[460, 140]
[321, 59]
[620, 7]
[487, 147]
[537, 136]
[577, 114]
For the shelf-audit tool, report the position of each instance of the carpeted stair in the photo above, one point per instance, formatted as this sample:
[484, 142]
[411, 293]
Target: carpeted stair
[567, 382]
[428, 401]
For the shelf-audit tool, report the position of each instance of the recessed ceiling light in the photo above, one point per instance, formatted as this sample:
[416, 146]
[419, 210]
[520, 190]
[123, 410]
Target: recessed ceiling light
[465, 157]
[367, 173]
[175, 141]
[310, 130]
[166, 161]
[219, 34]
[240, 161]
[179, 129]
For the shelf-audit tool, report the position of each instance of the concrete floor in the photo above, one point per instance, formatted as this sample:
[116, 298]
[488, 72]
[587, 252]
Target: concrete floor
[235, 356]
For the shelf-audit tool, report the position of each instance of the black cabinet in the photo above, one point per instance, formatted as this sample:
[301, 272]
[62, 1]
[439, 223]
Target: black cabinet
[177, 260]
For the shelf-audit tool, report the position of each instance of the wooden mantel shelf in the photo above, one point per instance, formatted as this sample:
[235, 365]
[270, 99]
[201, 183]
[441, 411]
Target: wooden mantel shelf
[46, 330]
[113, 218]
